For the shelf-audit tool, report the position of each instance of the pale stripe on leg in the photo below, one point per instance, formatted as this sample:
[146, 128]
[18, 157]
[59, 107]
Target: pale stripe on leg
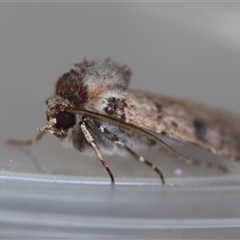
[91, 141]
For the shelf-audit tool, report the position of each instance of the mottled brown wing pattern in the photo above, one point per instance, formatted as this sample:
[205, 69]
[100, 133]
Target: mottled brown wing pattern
[186, 121]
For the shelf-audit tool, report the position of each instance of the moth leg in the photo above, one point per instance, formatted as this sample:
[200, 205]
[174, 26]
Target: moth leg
[34, 140]
[139, 158]
[91, 141]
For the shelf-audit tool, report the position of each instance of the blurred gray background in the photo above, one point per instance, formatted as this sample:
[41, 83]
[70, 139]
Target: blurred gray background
[186, 50]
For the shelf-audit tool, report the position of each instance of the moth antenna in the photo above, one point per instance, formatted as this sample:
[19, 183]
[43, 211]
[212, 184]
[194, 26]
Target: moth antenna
[34, 140]
[125, 126]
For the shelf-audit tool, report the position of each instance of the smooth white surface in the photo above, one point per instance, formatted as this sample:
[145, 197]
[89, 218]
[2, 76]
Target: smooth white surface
[187, 50]
[190, 209]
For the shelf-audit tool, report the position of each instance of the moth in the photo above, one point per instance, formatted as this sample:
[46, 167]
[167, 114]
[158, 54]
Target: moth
[94, 110]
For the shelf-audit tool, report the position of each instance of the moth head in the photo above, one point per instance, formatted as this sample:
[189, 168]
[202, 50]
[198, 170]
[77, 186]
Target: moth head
[59, 119]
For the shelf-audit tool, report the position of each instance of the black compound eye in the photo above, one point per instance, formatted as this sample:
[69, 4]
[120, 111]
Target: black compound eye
[65, 120]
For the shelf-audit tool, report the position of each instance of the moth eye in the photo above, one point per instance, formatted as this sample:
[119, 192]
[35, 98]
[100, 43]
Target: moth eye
[65, 120]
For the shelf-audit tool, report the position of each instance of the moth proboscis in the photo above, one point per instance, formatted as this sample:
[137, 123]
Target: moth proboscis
[93, 109]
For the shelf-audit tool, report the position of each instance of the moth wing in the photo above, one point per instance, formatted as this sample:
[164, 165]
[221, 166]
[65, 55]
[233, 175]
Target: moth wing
[186, 121]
